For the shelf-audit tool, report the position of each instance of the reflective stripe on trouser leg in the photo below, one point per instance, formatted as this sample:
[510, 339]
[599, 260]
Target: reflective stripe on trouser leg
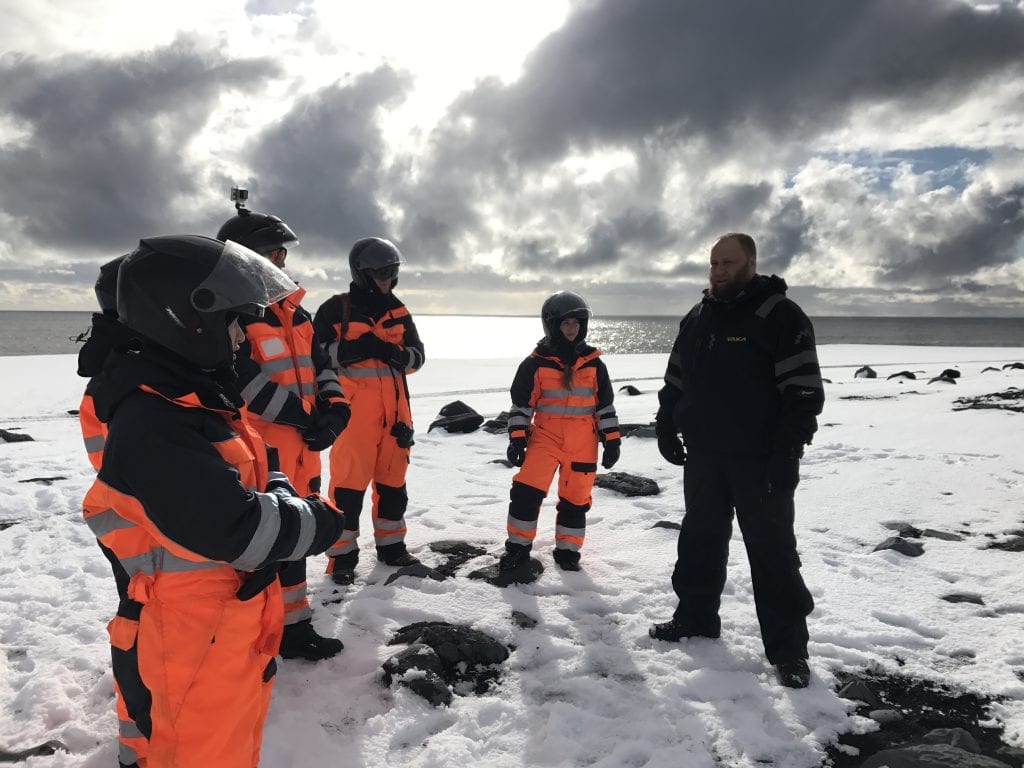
[344, 554]
[132, 698]
[389, 505]
[570, 525]
[523, 511]
[294, 592]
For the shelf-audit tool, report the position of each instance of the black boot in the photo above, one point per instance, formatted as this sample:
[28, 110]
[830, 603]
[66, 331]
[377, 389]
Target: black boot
[301, 641]
[794, 674]
[567, 560]
[675, 630]
[515, 556]
[396, 555]
[343, 577]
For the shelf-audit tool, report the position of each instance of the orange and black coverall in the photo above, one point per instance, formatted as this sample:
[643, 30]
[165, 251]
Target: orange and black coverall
[176, 511]
[285, 378]
[352, 327]
[566, 407]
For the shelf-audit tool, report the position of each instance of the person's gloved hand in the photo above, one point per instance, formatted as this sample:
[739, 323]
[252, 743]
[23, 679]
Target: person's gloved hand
[516, 451]
[280, 484]
[328, 425]
[612, 449]
[257, 581]
[671, 448]
[783, 473]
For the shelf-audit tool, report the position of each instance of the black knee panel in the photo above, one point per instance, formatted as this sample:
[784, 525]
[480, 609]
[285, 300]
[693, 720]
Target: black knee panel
[393, 502]
[525, 501]
[349, 501]
[571, 515]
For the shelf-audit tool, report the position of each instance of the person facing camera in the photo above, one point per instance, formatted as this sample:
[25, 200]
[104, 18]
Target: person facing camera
[373, 345]
[295, 403]
[186, 508]
[562, 407]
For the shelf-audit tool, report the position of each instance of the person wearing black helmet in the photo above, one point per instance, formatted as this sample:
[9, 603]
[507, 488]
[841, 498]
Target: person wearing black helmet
[562, 406]
[373, 344]
[187, 509]
[295, 403]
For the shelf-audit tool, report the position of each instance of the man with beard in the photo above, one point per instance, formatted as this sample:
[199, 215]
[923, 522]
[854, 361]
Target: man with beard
[743, 388]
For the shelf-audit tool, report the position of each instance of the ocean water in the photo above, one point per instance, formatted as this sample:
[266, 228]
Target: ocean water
[468, 336]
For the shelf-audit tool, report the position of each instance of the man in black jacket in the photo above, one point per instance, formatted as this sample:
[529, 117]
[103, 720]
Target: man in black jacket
[743, 388]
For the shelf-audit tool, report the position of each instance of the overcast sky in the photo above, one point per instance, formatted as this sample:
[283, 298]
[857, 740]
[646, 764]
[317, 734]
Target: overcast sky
[873, 148]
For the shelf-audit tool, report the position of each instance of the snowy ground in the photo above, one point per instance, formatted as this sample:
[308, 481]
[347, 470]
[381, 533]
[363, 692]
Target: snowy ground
[586, 686]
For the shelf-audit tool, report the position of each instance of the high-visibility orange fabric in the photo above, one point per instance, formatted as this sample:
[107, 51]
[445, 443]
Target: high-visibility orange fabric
[202, 653]
[366, 450]
[559, 443]
[94, 431]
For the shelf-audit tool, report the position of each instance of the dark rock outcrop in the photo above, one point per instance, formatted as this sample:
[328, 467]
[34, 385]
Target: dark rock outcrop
[498, 424]
[865, 372]
[20, 756]
[448, 658]
[630, 390]
[527, 573]
[901, 545]
[627, 484]
[457, 417]
[9, 436]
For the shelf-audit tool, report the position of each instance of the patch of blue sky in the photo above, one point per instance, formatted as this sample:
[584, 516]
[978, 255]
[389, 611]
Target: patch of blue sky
[944, 166]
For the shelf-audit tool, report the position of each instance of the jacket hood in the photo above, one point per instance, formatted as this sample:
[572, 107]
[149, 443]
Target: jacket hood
[563, 352]
[124, 372]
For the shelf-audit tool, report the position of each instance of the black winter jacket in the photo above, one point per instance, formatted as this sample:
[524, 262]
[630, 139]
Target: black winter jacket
[743, 376]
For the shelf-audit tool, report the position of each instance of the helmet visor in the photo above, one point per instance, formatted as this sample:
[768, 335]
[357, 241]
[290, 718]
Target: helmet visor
[241, 281]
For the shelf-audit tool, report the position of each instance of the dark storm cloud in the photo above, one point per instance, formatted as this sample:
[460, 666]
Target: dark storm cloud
[669, 69]
[321, 166]
[783, 237]
[102, 161]
[988, 240]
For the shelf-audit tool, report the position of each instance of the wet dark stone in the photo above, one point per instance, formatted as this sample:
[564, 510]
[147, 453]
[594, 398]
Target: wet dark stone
[9, 436]
[929, 713]
[943, 379]
[1016, 544]
[43, 480]
[417, 570]
[902, 375]
[865, 372]
[498, 424]
[527, 573]
[456, 553]
[520, 619]
[457, 417]
[637, 430]
[959, 597]
[1014, 366]
[454, 659]
[1011, 399]
[934, 534]
[901, 545]
[18, 756]
[627, 484]
[904, 529]
[629, 389]
[668, 524]
[5, 524]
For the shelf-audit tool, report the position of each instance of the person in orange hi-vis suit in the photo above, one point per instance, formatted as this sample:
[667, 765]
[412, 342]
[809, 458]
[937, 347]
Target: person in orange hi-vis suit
[373, 344]
[295, 402]
[187, 511]
[562, 406]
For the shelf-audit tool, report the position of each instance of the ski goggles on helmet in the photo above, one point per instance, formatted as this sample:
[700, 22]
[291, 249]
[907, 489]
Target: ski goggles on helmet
[389, 272]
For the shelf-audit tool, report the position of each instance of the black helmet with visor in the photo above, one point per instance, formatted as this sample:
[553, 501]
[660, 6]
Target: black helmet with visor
[374, 258]
[562, 306]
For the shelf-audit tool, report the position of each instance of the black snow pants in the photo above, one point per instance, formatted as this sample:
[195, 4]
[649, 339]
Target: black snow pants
[713, 486]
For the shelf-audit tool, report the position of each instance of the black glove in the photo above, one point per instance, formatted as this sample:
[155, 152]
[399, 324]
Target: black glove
[257, 581]
[612, 449]
[329, 524]
[328, 425]
[281, 485]
[671, 448]
[783, 474]
[516, 451]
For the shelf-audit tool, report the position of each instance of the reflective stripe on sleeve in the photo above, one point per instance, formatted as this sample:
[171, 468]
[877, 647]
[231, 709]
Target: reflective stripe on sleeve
[265, 535]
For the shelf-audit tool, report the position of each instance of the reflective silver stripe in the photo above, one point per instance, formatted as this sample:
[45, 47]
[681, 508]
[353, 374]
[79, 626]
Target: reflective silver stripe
[272, 347]
[365, 373]
[347, 543]
[159, 559]
[380, 524]
[127, 729]
[253, 388]
[265, 535]
[770, 303]
[106, 522]
[811, 382]
[307, 527]
[330, 388]
[515, 527]
[567, 543]
[554, 393]
[126, 755]
[308, 388]
[566, 410]
[808, 356]
[415, 358]
[332, 352]
[294, 617]
[277, 475]
[608, 422]
[94, 444]
[395, 538]
[304, 361]
[273, 409]
[277, 365]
